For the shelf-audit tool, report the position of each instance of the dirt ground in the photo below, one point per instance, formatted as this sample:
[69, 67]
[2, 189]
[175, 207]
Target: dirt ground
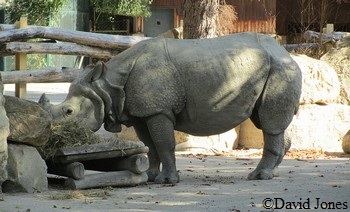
[308, 180]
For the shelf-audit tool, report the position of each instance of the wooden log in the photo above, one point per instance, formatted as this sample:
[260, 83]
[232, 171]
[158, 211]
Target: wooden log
[45, 75]
[116, 42]
[73, 170]
[99, 155]
[119, 148]
[4, 27]
[120, 145]
[135, 163]
[56, 48]
[105, 179]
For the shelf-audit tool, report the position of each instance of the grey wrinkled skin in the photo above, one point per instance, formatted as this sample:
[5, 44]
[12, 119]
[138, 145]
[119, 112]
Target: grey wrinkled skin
[200, 87]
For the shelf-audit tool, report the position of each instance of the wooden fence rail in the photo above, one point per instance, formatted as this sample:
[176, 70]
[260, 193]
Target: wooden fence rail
[45, 75]
[61, 41]
[56, 48]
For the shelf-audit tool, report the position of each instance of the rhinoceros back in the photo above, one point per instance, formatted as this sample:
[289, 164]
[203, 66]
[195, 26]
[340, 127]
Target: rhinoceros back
[223, 79]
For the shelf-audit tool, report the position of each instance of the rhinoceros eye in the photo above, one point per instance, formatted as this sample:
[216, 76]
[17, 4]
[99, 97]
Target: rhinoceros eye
[69, 111]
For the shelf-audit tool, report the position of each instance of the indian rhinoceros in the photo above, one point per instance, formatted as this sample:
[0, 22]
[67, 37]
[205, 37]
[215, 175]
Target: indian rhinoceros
[200, 87]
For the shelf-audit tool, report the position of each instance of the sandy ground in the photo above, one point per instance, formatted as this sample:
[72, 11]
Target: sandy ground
[208, 183]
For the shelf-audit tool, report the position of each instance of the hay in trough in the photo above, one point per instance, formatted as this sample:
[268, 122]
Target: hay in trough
[67, 134]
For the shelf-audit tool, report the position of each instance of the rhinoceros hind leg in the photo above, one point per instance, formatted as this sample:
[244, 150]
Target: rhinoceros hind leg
[273, 153]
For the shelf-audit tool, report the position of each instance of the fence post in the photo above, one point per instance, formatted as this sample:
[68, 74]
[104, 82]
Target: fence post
[21, 63]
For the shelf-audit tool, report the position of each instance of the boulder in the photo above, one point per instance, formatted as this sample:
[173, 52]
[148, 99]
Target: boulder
[176, 33]
[346, 143]
[4, 132]
[320, 83]
[250, 136]
[320, 127]
[210, 145]
[29, 123]
[27, 171]
[185, 143]
[338, 58]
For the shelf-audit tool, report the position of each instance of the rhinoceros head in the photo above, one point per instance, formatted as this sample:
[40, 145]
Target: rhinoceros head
[89, 101]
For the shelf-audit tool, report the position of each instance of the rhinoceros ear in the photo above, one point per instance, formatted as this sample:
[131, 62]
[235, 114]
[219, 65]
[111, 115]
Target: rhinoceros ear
[95, 72]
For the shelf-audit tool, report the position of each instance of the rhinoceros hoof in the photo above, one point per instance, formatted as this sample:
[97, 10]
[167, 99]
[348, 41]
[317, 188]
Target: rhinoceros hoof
[276, 172]
[152, 175]
[167, 178]
[261, 174]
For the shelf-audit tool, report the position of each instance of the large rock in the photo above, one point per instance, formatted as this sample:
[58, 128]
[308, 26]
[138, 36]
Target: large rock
[27, 171]
[250, 136]
[29, 123]
[320, 127]
[209, 145]
[320, 83]
[339, 59]
[346, 143]
[4, 132]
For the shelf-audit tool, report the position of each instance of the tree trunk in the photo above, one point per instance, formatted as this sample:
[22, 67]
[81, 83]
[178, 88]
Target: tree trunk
[200, 18]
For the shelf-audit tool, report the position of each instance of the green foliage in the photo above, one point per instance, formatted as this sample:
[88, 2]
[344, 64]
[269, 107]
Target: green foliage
[123, 7]
[38, 12]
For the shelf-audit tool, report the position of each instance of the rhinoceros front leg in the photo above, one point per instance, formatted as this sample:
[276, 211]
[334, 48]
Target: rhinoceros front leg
[154, 161]
[161, 130]
[273, 153]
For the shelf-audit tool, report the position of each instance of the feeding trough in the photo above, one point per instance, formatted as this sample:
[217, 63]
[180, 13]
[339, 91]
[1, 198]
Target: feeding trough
[86, 160]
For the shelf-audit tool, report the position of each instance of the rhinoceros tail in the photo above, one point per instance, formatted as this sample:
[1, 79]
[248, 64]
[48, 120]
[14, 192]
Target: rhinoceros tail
[296, 108]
